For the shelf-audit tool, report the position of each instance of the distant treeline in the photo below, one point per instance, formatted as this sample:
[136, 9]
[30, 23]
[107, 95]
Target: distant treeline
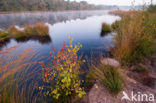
[45, 5]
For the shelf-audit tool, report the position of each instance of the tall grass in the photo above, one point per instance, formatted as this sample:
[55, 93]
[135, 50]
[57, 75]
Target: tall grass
[17, 81]
[109, 76]
[38, 29]
[136, 37]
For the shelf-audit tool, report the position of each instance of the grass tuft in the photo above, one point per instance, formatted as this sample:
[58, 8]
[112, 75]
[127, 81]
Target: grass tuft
[109, 76]
[38, 29]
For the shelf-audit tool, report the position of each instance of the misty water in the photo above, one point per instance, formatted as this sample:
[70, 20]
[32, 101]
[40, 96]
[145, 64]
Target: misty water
[83, 26]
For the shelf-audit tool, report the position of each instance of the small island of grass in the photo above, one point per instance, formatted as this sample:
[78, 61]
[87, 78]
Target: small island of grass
[38, 30]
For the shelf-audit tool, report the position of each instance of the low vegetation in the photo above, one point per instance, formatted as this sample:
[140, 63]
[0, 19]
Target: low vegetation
[141, 68]
[38, 29]
[136, 37]
[109, 76]
[106, 28]
[65, 71]
[15, 80]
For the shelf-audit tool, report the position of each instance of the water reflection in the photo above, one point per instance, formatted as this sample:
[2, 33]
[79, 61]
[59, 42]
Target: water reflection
[41, 39]
[51, 17]
[86, 31]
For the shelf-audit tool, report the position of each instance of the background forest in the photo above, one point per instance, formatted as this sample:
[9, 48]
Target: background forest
[46, 5]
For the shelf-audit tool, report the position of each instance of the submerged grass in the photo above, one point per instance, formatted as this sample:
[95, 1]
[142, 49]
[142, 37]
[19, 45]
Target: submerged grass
[136, 37]
[17, 82]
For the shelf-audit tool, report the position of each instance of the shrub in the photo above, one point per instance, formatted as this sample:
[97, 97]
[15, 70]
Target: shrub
[106, 28]
[66, 71]
[136, 37]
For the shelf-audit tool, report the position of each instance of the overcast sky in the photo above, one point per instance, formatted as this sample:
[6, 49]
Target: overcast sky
[118, 2]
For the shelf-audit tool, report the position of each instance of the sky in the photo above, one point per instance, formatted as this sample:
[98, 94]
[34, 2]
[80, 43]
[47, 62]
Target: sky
[118, 2]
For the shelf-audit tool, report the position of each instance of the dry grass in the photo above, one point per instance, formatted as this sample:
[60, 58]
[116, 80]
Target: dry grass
[39, 29]
[136, 37]
[17, 82]
[121, 12]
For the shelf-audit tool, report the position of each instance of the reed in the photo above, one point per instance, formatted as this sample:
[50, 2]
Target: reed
[136, 37]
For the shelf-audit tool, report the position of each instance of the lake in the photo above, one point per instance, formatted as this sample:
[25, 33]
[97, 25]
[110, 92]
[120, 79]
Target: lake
[83, 26]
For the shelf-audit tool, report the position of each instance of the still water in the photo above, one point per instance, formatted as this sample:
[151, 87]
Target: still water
[83, 26]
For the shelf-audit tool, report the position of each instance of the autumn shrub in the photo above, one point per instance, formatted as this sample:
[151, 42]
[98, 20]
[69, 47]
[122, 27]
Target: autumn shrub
[136, 37]
[65, 73]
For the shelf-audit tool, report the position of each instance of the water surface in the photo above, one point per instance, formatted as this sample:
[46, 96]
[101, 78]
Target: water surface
[83, 26]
